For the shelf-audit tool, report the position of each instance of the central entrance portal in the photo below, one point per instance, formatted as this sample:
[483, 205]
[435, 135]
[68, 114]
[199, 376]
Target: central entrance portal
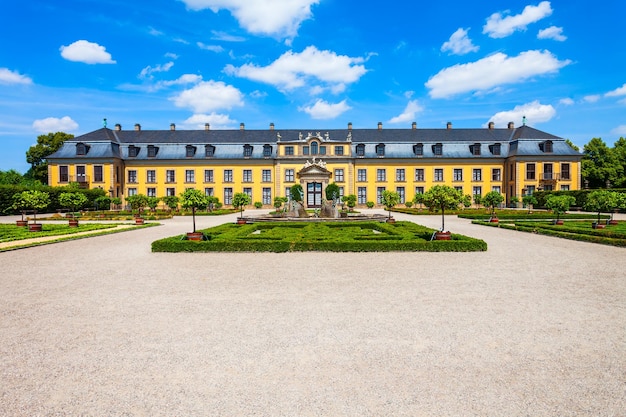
[314, 195]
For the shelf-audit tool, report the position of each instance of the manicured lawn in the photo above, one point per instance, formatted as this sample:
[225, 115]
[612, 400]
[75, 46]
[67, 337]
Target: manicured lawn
[9, 232]
[319, 236]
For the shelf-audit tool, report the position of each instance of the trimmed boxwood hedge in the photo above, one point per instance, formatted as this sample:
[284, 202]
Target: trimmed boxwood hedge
[319, 236]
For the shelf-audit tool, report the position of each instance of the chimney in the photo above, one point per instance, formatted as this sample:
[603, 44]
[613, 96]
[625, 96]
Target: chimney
[207, 126]
[242, 126]
[380, 125]
[349, 125]
[491, 124]
[271, 126]
[172, 126]
[118, 127]
[414, 126]
[449, 125]
[137, 126]
[511, 125]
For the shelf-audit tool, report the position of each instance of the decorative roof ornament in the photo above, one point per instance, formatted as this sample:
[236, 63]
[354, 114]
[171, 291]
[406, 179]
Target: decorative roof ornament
[523, 120]
[349, 138]
[278, 137]
[319, 163]
[326, 136]
[104, 122]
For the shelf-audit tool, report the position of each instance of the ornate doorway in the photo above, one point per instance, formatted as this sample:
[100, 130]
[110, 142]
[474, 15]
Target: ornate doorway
[314, 178]
[314, 194]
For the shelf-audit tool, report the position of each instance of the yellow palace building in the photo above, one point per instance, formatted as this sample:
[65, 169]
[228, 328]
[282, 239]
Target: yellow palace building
[364, 162]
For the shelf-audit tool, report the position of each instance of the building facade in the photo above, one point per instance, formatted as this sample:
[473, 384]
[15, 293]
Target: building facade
[363, 162]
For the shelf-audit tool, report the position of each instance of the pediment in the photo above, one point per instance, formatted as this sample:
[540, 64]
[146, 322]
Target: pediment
[315, 169]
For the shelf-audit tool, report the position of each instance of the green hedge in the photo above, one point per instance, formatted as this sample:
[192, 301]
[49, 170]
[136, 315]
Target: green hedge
[579, 195]
[7, 192]
[535, 215]
[319, 236]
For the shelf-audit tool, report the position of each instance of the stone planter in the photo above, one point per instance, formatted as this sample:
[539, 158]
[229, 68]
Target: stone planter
[241, 220]
[493, 220]
[21, 223]
[139, 220]
[558, 222]
[73, 223]
[596, 225]
[34, 227]
[442, 236]
[391, 220]
[343, 214]
[613, 222]
[195, 236]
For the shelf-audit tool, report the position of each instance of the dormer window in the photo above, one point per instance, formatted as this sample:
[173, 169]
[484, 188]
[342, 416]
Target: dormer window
[546, 146]
[209, 150]
[418, 149]
[133, 151]
[496, 149]
[247, 151]
[152, 151]
[190, 151]
[380, 149]
[360, 149]
[267, 151]
[437, 149]
[81, 149]
[475, 149]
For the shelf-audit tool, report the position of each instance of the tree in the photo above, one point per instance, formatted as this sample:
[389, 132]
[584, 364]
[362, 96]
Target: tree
[137, 202]
[193, 199]
[212, 202]
[571, 145]
[600, 164]
[418, 199]
[35, 200]
[171, 201]
[491, 200]
[240, 200]
[153, 202]
[103, 202]
[332, 192]
[514, 200]
[601, 201]
[478, 199]
[619, 150]
[11, 177]
[73, 201]
[350, 201]
[296, 192]
[529, 200]
[389, 200]
[279, 201]
[559, 204]
[442, 197]
[37, 154]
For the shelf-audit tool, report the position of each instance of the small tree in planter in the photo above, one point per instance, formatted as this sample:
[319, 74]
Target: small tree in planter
[491, 200]
[152, 203]
[278, 202]
[529, 200]
[559, 204]
[213, 203]
[193, 199]
[369, 204]
[137, 202]
[467, 201]
[514, 201]
[240, 200]
[35, 200]
[408, 204]
[418, 199]
[73, 202]
[478, 200]
[171, 201]
[20, 204]
[442, 197]
[350, 201]
[102, 203]
[600, 201]
[258, 204]
[117, 202]
[390, 199]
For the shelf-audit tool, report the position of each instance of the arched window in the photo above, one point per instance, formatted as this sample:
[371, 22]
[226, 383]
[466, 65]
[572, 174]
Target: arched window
[314, 146]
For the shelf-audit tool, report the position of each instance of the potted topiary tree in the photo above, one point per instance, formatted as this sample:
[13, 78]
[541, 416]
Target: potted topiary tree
[35, 200]
[240, 200]
[514, 201]
[491, 200]
[442, 197]
[102, 203]
[529, 200]
[559, 204]
[117, 202]
[350, 201]
[137, 202]
[389, 200]
[20, 204]
[418, 200]
[152, 203]
[278, 202]
[171, 201]
[599, 201]
[193, 199]
[73, 202]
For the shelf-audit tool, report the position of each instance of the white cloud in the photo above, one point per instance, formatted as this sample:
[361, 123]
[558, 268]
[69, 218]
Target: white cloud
[621, 91]
[566, 101]
[593, 98]
[12, 77]
[324, 110]
[293, 70]
[86, 52]
[213, 48]
[225, 37]
[54, 124]
[171, 55]
[535, 112]
[492, 71]
[408, 115]
[209, 96]
[619, 130]
[149, 70]
[552, 32]
[215, 120]
[280, 18]
[498, 26]
[184, 79]
[258, 94]
[459, 43]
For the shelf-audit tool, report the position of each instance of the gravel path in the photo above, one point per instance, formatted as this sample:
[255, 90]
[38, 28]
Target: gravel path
[535, 326]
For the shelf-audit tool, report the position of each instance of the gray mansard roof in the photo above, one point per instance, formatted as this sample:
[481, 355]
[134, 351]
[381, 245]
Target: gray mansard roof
[172, 144]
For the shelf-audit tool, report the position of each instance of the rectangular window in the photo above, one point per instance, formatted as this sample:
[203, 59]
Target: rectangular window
[151, 192]
[170, 175]
[247, 151]
[381, 174]
[132, 176]
[379, 194]
[97, 173]
[305, 150]
[459, 188]
[288, 150]
[438, 149]
[496, 188]
[228, 175]
[512, 172]
[208, 175]
[496, 174]
[247, 175]
[152, 151]
[400, 174]
[80, 174]
[477, 190]
[322, 150]
[565, 175]
[267, 196]
[248, 192]
[288, 192]
[457, 174]
[361, 175]
[208, 191]
[228, 195]
[151, 176]
[289, 175]
[266, 175]
[477, 174]
[438, 175]
[547, 172]
[530, 171]
[170, 191]
[530, 189]
[133, 151]
[548, 187]
[339, 175]
[339, 150]
[362, 195]
[64, 173]
[419, 174]
[341, 192]
[419, 190]
[190, 175]
[132, 191]
[401, 194]
[564, 187]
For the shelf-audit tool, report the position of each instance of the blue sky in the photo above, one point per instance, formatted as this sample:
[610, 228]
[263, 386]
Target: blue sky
[309, 64]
